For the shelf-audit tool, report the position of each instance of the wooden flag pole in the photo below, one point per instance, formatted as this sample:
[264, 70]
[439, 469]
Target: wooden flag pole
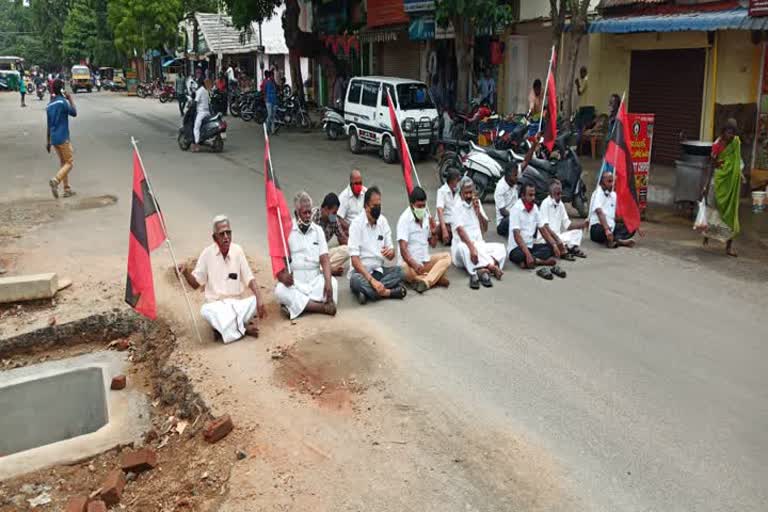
[168, 241]
[279, 218]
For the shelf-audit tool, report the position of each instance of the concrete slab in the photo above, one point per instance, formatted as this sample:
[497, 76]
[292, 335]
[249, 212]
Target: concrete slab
[128, 414]
[28, 287]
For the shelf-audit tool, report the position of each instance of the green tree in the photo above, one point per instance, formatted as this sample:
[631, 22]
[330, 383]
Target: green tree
[79, 35]
[48, 18]
[17, 35]
[141, 25]
[466, 16]
[578, 11]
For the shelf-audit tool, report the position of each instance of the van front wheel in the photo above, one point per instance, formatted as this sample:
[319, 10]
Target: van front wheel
[355, 146]
[388, 151]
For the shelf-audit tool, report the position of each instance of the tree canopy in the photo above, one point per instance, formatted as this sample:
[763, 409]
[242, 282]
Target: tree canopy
[139, 25]
[79, 34]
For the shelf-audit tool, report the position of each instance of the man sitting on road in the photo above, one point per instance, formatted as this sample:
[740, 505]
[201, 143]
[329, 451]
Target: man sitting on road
[370, 246]
[561, 229]
[416, 232]
[223, 270]
[603, 228]
[309, 286]
[524, 221]
[327, 218]
[469, 250]
[351, 200]
[505, 198]
[447, 195]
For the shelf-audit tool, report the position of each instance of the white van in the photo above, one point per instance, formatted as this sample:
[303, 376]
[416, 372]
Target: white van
[366, 115]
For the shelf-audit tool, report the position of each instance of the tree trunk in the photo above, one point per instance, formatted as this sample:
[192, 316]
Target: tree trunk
[463, 41]
[570, 79]
[296, 77]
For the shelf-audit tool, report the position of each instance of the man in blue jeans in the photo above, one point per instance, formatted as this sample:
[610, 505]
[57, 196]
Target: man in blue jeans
[270, 98]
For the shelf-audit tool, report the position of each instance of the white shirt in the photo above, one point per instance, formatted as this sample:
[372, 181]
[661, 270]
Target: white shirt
[349, 205]
[366, 242]
[526, 222]
[223, 278]
[554, 215]
[466, 218]
[230, 74]
[446, 199]
[505, 197]
[415, 235]
[605, 202]
[306, 249]
[203, 100]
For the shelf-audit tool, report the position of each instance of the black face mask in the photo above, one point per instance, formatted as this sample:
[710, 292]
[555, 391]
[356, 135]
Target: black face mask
[376, 212]
[304, 227]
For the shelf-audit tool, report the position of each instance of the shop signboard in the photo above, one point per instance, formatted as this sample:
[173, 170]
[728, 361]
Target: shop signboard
[758, 7]
[640, 145]
[418, 5]
[421, 28]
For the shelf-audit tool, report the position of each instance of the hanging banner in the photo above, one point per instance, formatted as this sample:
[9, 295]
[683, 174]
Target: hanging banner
[640, 145]
[758, 7]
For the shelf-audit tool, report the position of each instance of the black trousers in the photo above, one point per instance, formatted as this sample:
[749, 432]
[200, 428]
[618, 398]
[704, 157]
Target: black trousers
[503, 228]
[597, 233]
[538, 251]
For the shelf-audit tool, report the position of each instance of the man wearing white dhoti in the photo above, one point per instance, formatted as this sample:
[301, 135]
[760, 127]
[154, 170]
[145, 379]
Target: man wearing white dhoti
[309, 286]
[565, 233]
[469, 250]
[223, 270]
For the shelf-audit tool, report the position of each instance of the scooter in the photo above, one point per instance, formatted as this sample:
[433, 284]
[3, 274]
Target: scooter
[333, 123]
[213, 130]
[473, 161]
[40, 91]
[98, 84]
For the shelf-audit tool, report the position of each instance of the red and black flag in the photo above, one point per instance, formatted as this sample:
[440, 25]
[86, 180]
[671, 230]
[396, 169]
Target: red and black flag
[279, 221]
[618, 156]
[405, 153]
[550, 133]
[147, 234]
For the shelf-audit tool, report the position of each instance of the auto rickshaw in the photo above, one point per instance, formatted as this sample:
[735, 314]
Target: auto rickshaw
[118, 80]
[81, 79]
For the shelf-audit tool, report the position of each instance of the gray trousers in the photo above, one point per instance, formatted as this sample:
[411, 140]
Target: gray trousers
[391, 278]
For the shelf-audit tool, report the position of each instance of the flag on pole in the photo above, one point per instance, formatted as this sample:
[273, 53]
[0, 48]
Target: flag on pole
[405, 153]
[279, 222]
[146, 235]
[618, 156]
[550, 133]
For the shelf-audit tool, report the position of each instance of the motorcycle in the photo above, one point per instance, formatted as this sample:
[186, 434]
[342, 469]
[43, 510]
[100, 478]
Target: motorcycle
[473, 161]
[98, 84]
[144, 89]
[167, 94]
[218, 102]
[40, 91]
[333, 123]
[291, 112]
[213, 130]
[252, 107]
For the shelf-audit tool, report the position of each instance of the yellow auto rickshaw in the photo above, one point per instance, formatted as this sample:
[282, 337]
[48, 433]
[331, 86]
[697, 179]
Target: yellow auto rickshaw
[81, 79]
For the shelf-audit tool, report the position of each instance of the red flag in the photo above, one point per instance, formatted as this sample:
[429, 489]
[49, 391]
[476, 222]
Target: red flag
[618, 156]
[146, 235]
[402, 146]
[279, 222]
[550, 133]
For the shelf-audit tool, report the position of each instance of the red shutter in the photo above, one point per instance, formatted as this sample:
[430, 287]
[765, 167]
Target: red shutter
[386, 12]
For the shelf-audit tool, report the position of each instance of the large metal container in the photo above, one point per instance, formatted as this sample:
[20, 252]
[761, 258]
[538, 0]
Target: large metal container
[691, 170]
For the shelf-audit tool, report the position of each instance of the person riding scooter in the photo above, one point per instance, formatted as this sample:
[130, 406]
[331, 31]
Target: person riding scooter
[203, 104]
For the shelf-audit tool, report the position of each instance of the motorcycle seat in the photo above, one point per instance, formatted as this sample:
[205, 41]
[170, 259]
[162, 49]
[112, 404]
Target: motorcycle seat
[499, 154]
[544, 166]
[208, 119]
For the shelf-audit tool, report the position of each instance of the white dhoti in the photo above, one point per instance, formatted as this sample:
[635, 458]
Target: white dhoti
[487, 254]
[296, 297]
[571, 238]
[229, 316]
[338, 256]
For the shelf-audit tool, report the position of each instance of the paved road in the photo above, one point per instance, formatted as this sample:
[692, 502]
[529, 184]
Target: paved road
[643, 373]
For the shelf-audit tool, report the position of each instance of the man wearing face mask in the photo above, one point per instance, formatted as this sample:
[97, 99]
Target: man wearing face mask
[446, 204]
[524, 221]
[562, 230]
[309, 287]
[327, 218]
[223, 270]
[351, 199]
[416, 233]
[603, 228]
[469, 250]
[370, 246]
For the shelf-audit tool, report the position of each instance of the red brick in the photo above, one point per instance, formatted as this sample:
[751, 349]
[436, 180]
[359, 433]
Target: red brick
[112, 487]
[97, 506]
[76, 504]
[118, 382]
[122, 345]
[139, 460]
[218, 429]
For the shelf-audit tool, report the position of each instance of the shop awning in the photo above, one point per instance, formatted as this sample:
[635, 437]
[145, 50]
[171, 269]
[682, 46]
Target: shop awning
[730, 19]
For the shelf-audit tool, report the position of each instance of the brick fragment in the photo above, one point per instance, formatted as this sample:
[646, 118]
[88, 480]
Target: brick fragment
[76, 504]
[112, 488]
[218, 429]
[139, 460]
[97, 506]
[118, 383]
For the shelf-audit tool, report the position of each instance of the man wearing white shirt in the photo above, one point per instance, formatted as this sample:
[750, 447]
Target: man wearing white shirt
[203, 109]
[524, 222]
[309, 286]
[505, 198]
[469, 250]
[603, 228]
[351, 199]
[447, 196]
[565, 233]
[416, 233]
[370, 246]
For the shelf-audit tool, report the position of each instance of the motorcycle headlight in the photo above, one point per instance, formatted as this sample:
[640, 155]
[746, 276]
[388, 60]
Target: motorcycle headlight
[409, 125]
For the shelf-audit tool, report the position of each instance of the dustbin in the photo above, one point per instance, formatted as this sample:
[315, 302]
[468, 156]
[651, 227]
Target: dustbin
[691, 170]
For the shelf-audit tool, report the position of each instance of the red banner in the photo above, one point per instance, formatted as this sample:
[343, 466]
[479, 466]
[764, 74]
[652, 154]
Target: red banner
[640, 145]
[758, 7]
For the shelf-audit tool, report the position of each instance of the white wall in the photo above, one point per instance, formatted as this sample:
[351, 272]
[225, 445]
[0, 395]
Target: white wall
[538, 9]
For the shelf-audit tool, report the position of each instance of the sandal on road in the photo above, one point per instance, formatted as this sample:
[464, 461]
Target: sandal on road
[485, 280]
[474, 282]
[578, 253]
[544, 273]
[559, 272]
[568, 257]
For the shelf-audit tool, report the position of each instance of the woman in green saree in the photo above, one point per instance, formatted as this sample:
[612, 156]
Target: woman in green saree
[724, 188]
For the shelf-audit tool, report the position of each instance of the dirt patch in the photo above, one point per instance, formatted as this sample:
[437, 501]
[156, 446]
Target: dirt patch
[90, 203]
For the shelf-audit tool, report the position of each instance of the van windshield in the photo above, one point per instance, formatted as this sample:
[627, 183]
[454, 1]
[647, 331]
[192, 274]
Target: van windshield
[414, 96]
[80, 70]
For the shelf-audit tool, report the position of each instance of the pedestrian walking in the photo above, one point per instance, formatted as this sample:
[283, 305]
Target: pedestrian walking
[270, 96]
[58, 111]
[22, 91]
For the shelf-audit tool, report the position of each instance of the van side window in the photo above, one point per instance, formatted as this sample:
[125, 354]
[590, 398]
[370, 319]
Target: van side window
[391, 89]
[354, 92]
[370, 93]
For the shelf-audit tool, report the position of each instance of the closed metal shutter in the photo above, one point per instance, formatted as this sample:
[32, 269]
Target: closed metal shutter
[400, 59]
[669, 84]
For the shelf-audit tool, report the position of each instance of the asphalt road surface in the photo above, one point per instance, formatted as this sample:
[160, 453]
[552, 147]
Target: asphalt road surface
[643, 373]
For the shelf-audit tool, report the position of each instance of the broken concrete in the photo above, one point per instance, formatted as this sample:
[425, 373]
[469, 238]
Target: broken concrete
[28, 287]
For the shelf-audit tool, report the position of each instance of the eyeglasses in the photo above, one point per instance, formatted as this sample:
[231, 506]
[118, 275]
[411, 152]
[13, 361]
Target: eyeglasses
[227, 232]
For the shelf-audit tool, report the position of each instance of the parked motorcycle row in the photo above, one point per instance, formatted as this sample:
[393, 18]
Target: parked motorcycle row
[291, 111]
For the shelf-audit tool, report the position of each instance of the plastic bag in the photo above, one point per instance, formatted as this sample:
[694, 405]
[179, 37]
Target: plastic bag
[700, 224]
